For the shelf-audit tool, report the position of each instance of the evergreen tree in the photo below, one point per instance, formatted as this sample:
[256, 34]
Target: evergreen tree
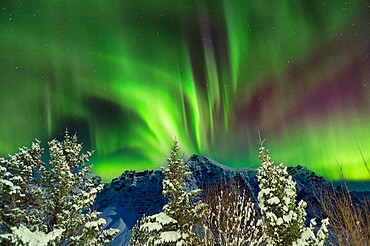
[158, 229]
[283, 221]
[183, 221]
[51, 203]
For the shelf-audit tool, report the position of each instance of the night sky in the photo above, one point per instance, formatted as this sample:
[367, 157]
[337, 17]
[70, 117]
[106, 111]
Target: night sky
[130, 76]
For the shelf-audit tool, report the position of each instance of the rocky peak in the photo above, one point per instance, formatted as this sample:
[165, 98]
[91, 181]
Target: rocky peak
[133, 194]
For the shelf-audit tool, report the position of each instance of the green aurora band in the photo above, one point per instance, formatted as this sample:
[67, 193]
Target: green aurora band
[130, 76]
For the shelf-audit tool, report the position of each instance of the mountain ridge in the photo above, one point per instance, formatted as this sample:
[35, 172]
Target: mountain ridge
[128, 197]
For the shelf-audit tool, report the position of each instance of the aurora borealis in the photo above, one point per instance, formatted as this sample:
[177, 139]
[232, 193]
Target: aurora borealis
[130, 76]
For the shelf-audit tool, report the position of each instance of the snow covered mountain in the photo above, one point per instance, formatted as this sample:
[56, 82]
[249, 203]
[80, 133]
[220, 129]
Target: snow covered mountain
[127, 198]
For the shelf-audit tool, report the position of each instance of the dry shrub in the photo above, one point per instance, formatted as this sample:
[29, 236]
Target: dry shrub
[233, 219]
[349, 217]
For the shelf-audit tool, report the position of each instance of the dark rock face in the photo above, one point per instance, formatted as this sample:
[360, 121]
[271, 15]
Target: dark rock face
[127, 198]
[139, 193]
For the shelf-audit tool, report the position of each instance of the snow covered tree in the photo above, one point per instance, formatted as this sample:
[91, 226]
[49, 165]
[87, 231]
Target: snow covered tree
[23, 236]
[183, 221]
[283, 221]
[52, 199]
[20, 193]
[158, 229]
[234, 218]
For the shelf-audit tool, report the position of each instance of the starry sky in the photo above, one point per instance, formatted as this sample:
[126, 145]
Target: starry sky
[130, 76]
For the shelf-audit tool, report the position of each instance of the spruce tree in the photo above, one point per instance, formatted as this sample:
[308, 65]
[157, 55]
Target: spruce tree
[50, 203]
[283, 221]
[183, 220]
